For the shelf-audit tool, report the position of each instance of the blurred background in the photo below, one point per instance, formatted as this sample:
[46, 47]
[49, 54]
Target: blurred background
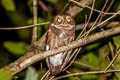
[15, 43]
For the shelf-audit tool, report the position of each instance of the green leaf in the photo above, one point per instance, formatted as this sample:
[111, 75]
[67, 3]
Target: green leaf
[117, 62]
[116, 41]
[117, 75]
[71, 78]
[8, 5]
[103, 53]
[30, 6]
[103, 76]
[52, 1]
[6, 74]
[89, 77]
[92, 59]
[92, 46]
[104, 64]
[31, 74]
[16, 48]
[15, 77]
[41, 72]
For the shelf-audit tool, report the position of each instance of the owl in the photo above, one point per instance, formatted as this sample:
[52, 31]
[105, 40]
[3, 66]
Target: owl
[61, 32]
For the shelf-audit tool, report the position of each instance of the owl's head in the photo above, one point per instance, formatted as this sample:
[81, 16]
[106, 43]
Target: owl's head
[63, 21]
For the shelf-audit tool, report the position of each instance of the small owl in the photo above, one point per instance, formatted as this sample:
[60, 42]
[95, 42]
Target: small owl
[61, 32]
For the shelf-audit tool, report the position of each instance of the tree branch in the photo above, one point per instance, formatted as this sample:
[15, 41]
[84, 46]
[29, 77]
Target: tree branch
[23, 27]
[86, 73]
[34, 36]
[32, 57]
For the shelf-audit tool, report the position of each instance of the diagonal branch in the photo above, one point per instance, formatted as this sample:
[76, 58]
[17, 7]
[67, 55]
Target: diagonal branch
[32, 57]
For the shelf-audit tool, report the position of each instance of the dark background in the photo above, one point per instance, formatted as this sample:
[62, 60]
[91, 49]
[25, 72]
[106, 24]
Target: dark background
[15, 43]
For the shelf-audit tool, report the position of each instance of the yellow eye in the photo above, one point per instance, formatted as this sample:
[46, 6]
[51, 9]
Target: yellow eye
[59, 20]
[68, 20]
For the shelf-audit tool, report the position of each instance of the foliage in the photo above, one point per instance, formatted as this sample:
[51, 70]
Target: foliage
[15, 43]
[9, 5]
[31, 74]
[16, 48]
[6, 75]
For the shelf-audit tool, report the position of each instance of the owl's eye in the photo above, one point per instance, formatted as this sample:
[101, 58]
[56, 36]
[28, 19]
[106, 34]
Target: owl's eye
[59, 19]
[68, 20]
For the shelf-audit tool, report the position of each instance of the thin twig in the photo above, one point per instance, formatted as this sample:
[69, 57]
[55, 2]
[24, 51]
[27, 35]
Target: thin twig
[107, 25]
[51, 78]
[111, 49]
[44, 7]
[34, 35]
[86, 25]
[109, 43]
[76, 78]
[86, 65]
[112, 64]
[23, 27]
[74, 55]
[85, 6]
[102, 22]
[76, 51]
[112, 60]
[86, 73]
[44, 75]
[100, 14]
[74, 10]
[47, 76]
[62, 11]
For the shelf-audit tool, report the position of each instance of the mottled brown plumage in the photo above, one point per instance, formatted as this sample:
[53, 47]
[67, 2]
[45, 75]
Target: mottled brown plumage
[61, 31]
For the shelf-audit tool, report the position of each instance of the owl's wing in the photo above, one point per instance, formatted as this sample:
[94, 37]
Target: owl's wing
[57, 62]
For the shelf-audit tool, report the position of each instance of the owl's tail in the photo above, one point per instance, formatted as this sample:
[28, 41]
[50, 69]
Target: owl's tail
[55, 70]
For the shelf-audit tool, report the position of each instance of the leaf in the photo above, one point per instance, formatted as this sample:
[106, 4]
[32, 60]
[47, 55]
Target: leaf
[71, 78]
[8, 5]
[103, 53]
[89, 77]
[30, 6]
[104, 76]
[117, 61]
[117, 75]
[92, 46]
[92, 59]
[15, 77]
[52, 1]
[41, 72]
[104, 64]
[31, 74]
[6, 74]
[16, 48]
[116, 41]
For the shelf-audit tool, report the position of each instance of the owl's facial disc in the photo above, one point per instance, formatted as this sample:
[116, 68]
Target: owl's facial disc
[63, 22]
